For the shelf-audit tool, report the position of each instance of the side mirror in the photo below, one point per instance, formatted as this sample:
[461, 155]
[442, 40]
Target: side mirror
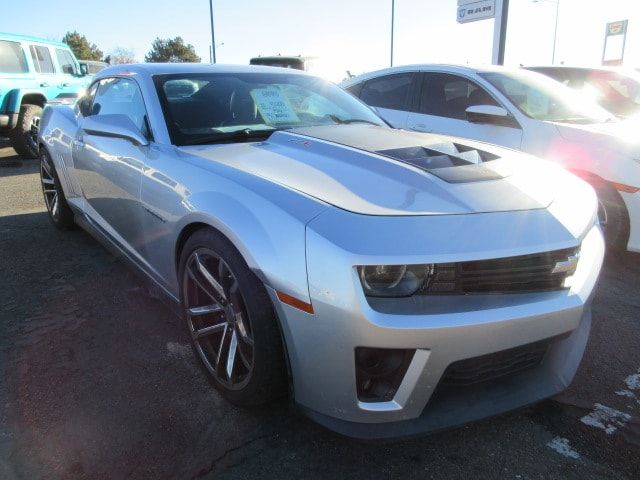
[84, 69]
[84, 104]
[114, 125]
[490, 114]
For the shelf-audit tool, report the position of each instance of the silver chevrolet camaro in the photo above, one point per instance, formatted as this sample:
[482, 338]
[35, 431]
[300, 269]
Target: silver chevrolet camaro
[393, 282]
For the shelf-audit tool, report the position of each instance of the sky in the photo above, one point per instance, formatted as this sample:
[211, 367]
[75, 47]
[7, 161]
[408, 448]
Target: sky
[343, 35]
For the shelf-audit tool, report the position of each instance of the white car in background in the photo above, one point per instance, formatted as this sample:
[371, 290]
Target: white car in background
[522, 110]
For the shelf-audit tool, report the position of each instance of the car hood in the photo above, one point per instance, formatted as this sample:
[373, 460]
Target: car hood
[381, 171]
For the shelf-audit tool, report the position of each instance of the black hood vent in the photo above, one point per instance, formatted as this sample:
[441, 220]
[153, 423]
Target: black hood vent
[451, 162]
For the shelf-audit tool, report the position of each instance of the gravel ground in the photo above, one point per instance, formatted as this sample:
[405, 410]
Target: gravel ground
[99, 382]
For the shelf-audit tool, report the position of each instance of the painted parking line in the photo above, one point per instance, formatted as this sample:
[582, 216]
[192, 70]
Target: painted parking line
[562, 446]
[606, 418]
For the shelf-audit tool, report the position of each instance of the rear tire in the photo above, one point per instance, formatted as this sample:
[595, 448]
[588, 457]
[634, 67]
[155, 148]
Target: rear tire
[241, 319]
[613, 217]
[58, 209]
[24, 136]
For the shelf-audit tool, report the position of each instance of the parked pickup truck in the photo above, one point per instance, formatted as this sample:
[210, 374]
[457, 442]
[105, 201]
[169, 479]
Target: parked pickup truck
[33, 71]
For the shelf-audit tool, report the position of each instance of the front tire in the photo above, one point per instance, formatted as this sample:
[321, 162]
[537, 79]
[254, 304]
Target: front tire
[24, 137]
[231, 321]
[58, 209]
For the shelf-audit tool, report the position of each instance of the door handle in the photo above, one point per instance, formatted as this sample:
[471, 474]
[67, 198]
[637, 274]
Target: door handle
[65, 84]
[44, 84]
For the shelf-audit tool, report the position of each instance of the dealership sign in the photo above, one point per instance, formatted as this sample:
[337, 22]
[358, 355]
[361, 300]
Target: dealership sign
[472, 10]
[617, 28]
[615, 39]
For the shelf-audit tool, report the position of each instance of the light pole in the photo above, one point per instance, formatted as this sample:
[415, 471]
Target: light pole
[555, 29]
[213, 37]
[393, 11]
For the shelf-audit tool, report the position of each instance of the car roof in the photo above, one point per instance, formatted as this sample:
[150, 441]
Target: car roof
[602, 68]
[26, 38]
[150, 69]
[446, 67]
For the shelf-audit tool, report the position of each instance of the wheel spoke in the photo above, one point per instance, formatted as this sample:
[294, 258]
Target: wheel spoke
[48, 181]
[205, 331]
[231, 356]
[221, 346]
[242, 329]
[54, 205]
[243, 358]
[233, 289]
[50, 190]
[212, 295]
[46, 168]
[212, 281]
[195, 311]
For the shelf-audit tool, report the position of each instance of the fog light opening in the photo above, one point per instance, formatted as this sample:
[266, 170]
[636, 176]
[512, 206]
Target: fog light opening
[379, 372]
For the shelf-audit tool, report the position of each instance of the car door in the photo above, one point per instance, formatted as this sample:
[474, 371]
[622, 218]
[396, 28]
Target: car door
[109, 169]
[68, 76]
[44, 67]
[391, 95]
[444, 99]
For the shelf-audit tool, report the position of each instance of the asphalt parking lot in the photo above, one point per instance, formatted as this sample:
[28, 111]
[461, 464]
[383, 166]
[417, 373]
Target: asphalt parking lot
[98, 381]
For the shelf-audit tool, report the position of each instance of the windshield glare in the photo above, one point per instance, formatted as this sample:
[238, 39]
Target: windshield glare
[199, 106]
[542, 98]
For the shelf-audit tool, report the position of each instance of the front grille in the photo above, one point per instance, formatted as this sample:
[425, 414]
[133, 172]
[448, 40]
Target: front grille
[525, 273]
[493, 366]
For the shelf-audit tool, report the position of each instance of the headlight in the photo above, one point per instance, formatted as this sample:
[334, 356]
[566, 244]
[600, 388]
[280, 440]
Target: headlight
[393, 280]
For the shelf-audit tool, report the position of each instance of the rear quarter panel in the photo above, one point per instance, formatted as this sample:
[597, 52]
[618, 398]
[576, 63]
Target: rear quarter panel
[58, 128]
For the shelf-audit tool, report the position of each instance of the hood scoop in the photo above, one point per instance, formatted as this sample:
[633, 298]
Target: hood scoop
[451, 162]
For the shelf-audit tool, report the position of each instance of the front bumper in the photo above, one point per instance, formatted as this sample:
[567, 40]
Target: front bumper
[453, 408]
[446, 329]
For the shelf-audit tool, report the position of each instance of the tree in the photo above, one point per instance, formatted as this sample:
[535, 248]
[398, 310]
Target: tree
[81, 47]
[171, 50]
[120, 55]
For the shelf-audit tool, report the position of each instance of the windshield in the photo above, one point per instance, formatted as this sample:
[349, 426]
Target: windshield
[201, 108]
[542, 98]
[616, 92]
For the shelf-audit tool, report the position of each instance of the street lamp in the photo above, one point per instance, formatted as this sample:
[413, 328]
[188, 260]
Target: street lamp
[555, 30]
[393, 11]
[213, 37]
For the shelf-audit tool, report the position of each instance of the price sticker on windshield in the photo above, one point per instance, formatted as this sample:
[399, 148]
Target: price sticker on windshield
[274, 106]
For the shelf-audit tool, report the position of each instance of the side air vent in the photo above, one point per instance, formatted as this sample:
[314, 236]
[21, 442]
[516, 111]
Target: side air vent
[63, 173]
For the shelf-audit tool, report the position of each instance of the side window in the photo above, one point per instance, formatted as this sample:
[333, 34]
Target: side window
[390, 91]
[120, 96]
[41, 59]
[446, 95]
[12, 59]
[66, 62]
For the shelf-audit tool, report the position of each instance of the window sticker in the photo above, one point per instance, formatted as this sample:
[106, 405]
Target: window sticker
[274, 106]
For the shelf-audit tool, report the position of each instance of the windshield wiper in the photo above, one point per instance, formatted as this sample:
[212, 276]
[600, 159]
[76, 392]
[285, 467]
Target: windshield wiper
[346, 121]
[244, 134]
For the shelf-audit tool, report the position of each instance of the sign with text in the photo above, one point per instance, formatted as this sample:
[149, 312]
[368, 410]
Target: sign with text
[274, 106]
[472, 10]
[615, 39]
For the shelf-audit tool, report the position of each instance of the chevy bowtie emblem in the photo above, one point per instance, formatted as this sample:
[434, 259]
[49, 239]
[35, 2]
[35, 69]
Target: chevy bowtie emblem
[566, 266]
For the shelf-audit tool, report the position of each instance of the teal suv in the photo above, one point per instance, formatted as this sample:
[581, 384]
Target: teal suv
[33, 72]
